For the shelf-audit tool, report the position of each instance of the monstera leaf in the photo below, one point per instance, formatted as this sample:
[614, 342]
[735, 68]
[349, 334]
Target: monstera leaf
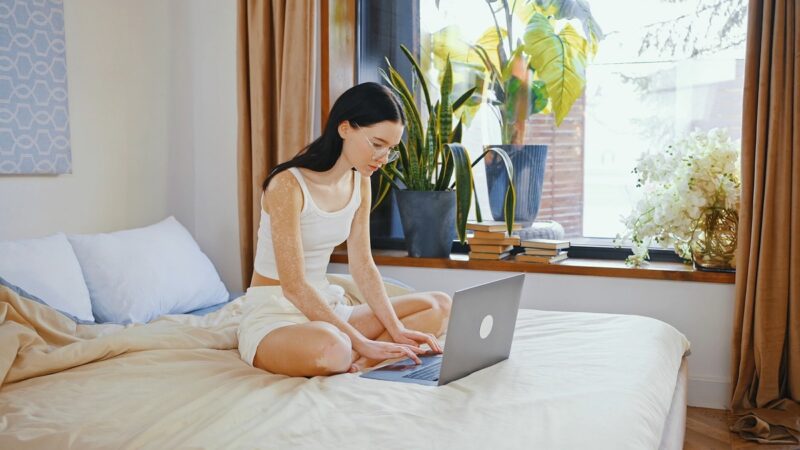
[559, 60]
[574, 9]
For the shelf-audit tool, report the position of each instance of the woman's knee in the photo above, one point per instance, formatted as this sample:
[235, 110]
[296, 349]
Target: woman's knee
[331, 350]
[334, 346]
[311, 349]
[443, 302]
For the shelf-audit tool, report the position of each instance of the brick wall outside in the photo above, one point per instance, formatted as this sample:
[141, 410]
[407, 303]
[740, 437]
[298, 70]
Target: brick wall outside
[562, 191]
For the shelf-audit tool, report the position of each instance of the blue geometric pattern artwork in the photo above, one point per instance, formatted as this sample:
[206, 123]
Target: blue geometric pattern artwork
[34, 117]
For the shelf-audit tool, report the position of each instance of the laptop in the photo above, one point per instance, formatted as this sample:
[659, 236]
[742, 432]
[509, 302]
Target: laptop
[479, 334]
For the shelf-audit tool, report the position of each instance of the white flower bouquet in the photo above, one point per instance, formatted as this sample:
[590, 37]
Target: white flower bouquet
[688, 191]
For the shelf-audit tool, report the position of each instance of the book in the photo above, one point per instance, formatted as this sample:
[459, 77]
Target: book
[542, 259]
[490, 248]
[542, 251]
[478, 255]
[490, 234]
[491, 225]
[511, 240]
[545, 243]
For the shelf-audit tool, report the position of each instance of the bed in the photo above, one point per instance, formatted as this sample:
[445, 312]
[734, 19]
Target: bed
[574, 380]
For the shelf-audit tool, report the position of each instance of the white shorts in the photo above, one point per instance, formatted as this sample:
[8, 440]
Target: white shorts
[267, 310]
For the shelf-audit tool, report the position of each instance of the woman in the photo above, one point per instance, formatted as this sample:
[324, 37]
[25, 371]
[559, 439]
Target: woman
[299, 324]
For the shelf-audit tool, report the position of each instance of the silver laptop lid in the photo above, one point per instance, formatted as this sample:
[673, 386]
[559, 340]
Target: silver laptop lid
[481, 327]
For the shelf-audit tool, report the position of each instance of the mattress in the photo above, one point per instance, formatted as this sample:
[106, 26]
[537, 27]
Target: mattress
[573, 380]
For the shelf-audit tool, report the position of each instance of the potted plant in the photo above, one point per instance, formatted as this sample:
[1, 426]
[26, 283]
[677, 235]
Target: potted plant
[433, 207]
[538, 71]
[690, 202]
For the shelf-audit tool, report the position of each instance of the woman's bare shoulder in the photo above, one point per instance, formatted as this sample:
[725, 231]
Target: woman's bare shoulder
[283, 189]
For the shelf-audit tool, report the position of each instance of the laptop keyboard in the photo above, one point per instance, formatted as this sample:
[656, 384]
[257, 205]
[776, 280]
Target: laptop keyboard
[430, 373]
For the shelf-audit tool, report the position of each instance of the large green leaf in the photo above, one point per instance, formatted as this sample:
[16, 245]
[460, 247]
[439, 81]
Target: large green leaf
[445, 172]
[458, 131]
[559, 60]
[539, 97]
[511, 194]
[448, 42]
[464, 184]
[430, 146]
[422, 80]
[575, 9]
[495, 72]
[525, 11]
[385, 185]
[513, 87]
[446, 107]
[490, 40]
[388, 176]
[460, 101]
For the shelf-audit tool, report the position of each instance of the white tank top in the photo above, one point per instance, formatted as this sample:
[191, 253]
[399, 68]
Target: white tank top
[320, 232]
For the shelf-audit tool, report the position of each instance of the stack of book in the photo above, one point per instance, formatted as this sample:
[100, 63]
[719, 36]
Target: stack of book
[490, 240]
[547, 251]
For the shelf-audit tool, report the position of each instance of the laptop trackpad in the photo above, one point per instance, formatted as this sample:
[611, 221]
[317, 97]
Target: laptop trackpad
[406, 370]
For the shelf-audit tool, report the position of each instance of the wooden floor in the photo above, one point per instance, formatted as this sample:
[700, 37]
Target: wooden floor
[708, 429]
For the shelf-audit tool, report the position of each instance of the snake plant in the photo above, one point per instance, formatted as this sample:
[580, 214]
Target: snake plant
[431, 154]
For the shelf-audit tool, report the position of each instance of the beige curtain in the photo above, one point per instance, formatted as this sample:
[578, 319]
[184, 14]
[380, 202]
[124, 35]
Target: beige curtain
[276, 65]
[766, 347]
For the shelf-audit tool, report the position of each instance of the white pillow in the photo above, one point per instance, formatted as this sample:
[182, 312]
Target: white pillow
[48, 269]
[137, 275]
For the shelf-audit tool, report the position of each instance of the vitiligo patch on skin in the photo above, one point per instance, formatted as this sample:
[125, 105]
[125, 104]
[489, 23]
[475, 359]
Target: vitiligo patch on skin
[283, 201]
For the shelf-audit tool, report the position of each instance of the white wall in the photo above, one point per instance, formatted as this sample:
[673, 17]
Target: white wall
[703, 312]
[209, 42]
[118, 126]
[152, 102]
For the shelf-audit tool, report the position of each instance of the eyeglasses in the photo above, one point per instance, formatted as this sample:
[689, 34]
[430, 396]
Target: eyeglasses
[378, 152]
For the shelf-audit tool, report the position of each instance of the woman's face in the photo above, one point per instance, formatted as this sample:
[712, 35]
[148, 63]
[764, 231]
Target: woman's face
[368, 148]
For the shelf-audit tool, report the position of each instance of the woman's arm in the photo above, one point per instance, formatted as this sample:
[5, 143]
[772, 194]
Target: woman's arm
[362, 266]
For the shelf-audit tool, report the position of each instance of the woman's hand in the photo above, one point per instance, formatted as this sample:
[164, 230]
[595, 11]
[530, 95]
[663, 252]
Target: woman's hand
[410, 337]
[379, 350]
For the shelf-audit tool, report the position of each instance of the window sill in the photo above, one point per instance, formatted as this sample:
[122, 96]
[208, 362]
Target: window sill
[572, 266]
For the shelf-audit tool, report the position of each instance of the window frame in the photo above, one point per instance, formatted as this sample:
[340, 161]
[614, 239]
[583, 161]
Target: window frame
[384, 230]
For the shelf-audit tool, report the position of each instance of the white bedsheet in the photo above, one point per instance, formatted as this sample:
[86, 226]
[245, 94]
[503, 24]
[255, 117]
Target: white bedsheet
[574, 381]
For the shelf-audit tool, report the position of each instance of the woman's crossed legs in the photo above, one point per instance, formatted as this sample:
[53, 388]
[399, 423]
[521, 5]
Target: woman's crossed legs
[319, 348]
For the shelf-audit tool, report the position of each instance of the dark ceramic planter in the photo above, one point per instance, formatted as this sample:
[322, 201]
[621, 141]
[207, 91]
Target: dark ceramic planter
[429, 222]
[529, 163]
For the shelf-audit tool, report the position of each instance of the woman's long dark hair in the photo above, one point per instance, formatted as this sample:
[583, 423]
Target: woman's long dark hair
[362, 105]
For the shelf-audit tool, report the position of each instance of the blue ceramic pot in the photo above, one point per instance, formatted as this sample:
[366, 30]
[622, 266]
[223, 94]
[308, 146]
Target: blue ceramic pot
[429, 222]
[529, 163]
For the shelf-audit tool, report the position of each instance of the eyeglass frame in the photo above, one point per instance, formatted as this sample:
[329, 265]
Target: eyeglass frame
[392, 153]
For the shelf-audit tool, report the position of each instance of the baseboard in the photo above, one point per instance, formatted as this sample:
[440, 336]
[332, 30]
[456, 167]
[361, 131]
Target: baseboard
[709, 392]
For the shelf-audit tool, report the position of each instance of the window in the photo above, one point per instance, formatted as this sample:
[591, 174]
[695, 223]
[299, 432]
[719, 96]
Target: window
[664, 68]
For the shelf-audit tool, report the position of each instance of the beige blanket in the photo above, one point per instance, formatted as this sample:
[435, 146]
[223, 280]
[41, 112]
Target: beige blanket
[178, 382]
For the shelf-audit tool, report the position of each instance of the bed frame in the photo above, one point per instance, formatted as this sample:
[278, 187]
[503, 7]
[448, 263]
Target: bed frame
[675, 425]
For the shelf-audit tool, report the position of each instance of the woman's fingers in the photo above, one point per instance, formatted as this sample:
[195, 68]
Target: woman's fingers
[414, 348]
[400, 350]
[412, 355]
[434, 343]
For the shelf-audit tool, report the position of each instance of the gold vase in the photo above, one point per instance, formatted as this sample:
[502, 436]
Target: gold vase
[714, 246]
